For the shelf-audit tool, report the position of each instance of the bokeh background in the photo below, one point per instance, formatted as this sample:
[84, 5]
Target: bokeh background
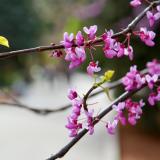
[40, 80]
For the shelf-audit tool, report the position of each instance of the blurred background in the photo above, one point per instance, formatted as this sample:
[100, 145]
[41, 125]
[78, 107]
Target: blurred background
[39, 80]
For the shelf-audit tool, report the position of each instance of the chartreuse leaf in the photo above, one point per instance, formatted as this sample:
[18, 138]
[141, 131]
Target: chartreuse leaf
[4, 41]
[105, 78]
[107, 75]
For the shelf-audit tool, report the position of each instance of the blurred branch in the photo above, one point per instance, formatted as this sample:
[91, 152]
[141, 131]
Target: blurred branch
[128, 29]
[17, 103]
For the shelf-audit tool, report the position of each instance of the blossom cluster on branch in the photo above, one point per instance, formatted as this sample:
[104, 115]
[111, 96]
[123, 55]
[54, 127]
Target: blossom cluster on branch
[76, 48]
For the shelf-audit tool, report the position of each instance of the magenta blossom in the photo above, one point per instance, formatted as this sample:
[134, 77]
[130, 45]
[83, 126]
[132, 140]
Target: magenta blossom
[119, 107]
[147, 36]
[157, 14]
[133, 79]
[68, 40]
[151, 17]
[129, 52]
[73, 127]
[93, 67]
[120, 116]
[109, 47]
[154, 67]
[76, 57]
[72, 94]
[79, 39]
[151, 80]
[91, 31]
[90, 120]
[111, 126]
[135, 3]
[134, 110]
[152, 98]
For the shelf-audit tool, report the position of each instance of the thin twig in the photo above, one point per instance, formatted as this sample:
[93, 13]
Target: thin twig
[128, 29]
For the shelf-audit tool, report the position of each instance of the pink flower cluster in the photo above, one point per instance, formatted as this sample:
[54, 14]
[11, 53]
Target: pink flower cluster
[73, 124]
[75, 47]
[73, 120]
[77, 55]
[154, 71]
[113, 48]
[154, 97]
[134, 110]
[134, 79]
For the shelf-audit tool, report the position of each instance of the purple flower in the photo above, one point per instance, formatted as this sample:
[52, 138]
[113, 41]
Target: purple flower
[110, 44]
[93, 67]
[91, 31]
[111, 126]
[68, 40]
[73, 127]
[147, 36]
[79, 39]
[135, 3]
[72, 94]
[151, 80]
[129, 52]
[133, 80]
[157, 15]
[76, 57]
[90, 119]
[154, 67]
[134, 110]
[119, 107]
[122, 118]
[151, 17]
[152, 98]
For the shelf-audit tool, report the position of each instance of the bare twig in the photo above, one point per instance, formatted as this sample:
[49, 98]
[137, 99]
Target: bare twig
[128, 29]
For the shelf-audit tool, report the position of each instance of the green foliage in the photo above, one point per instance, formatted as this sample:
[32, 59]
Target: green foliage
[22, 27]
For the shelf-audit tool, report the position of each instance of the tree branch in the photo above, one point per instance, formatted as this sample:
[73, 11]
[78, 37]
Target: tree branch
[128, 29]
[66, 148]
